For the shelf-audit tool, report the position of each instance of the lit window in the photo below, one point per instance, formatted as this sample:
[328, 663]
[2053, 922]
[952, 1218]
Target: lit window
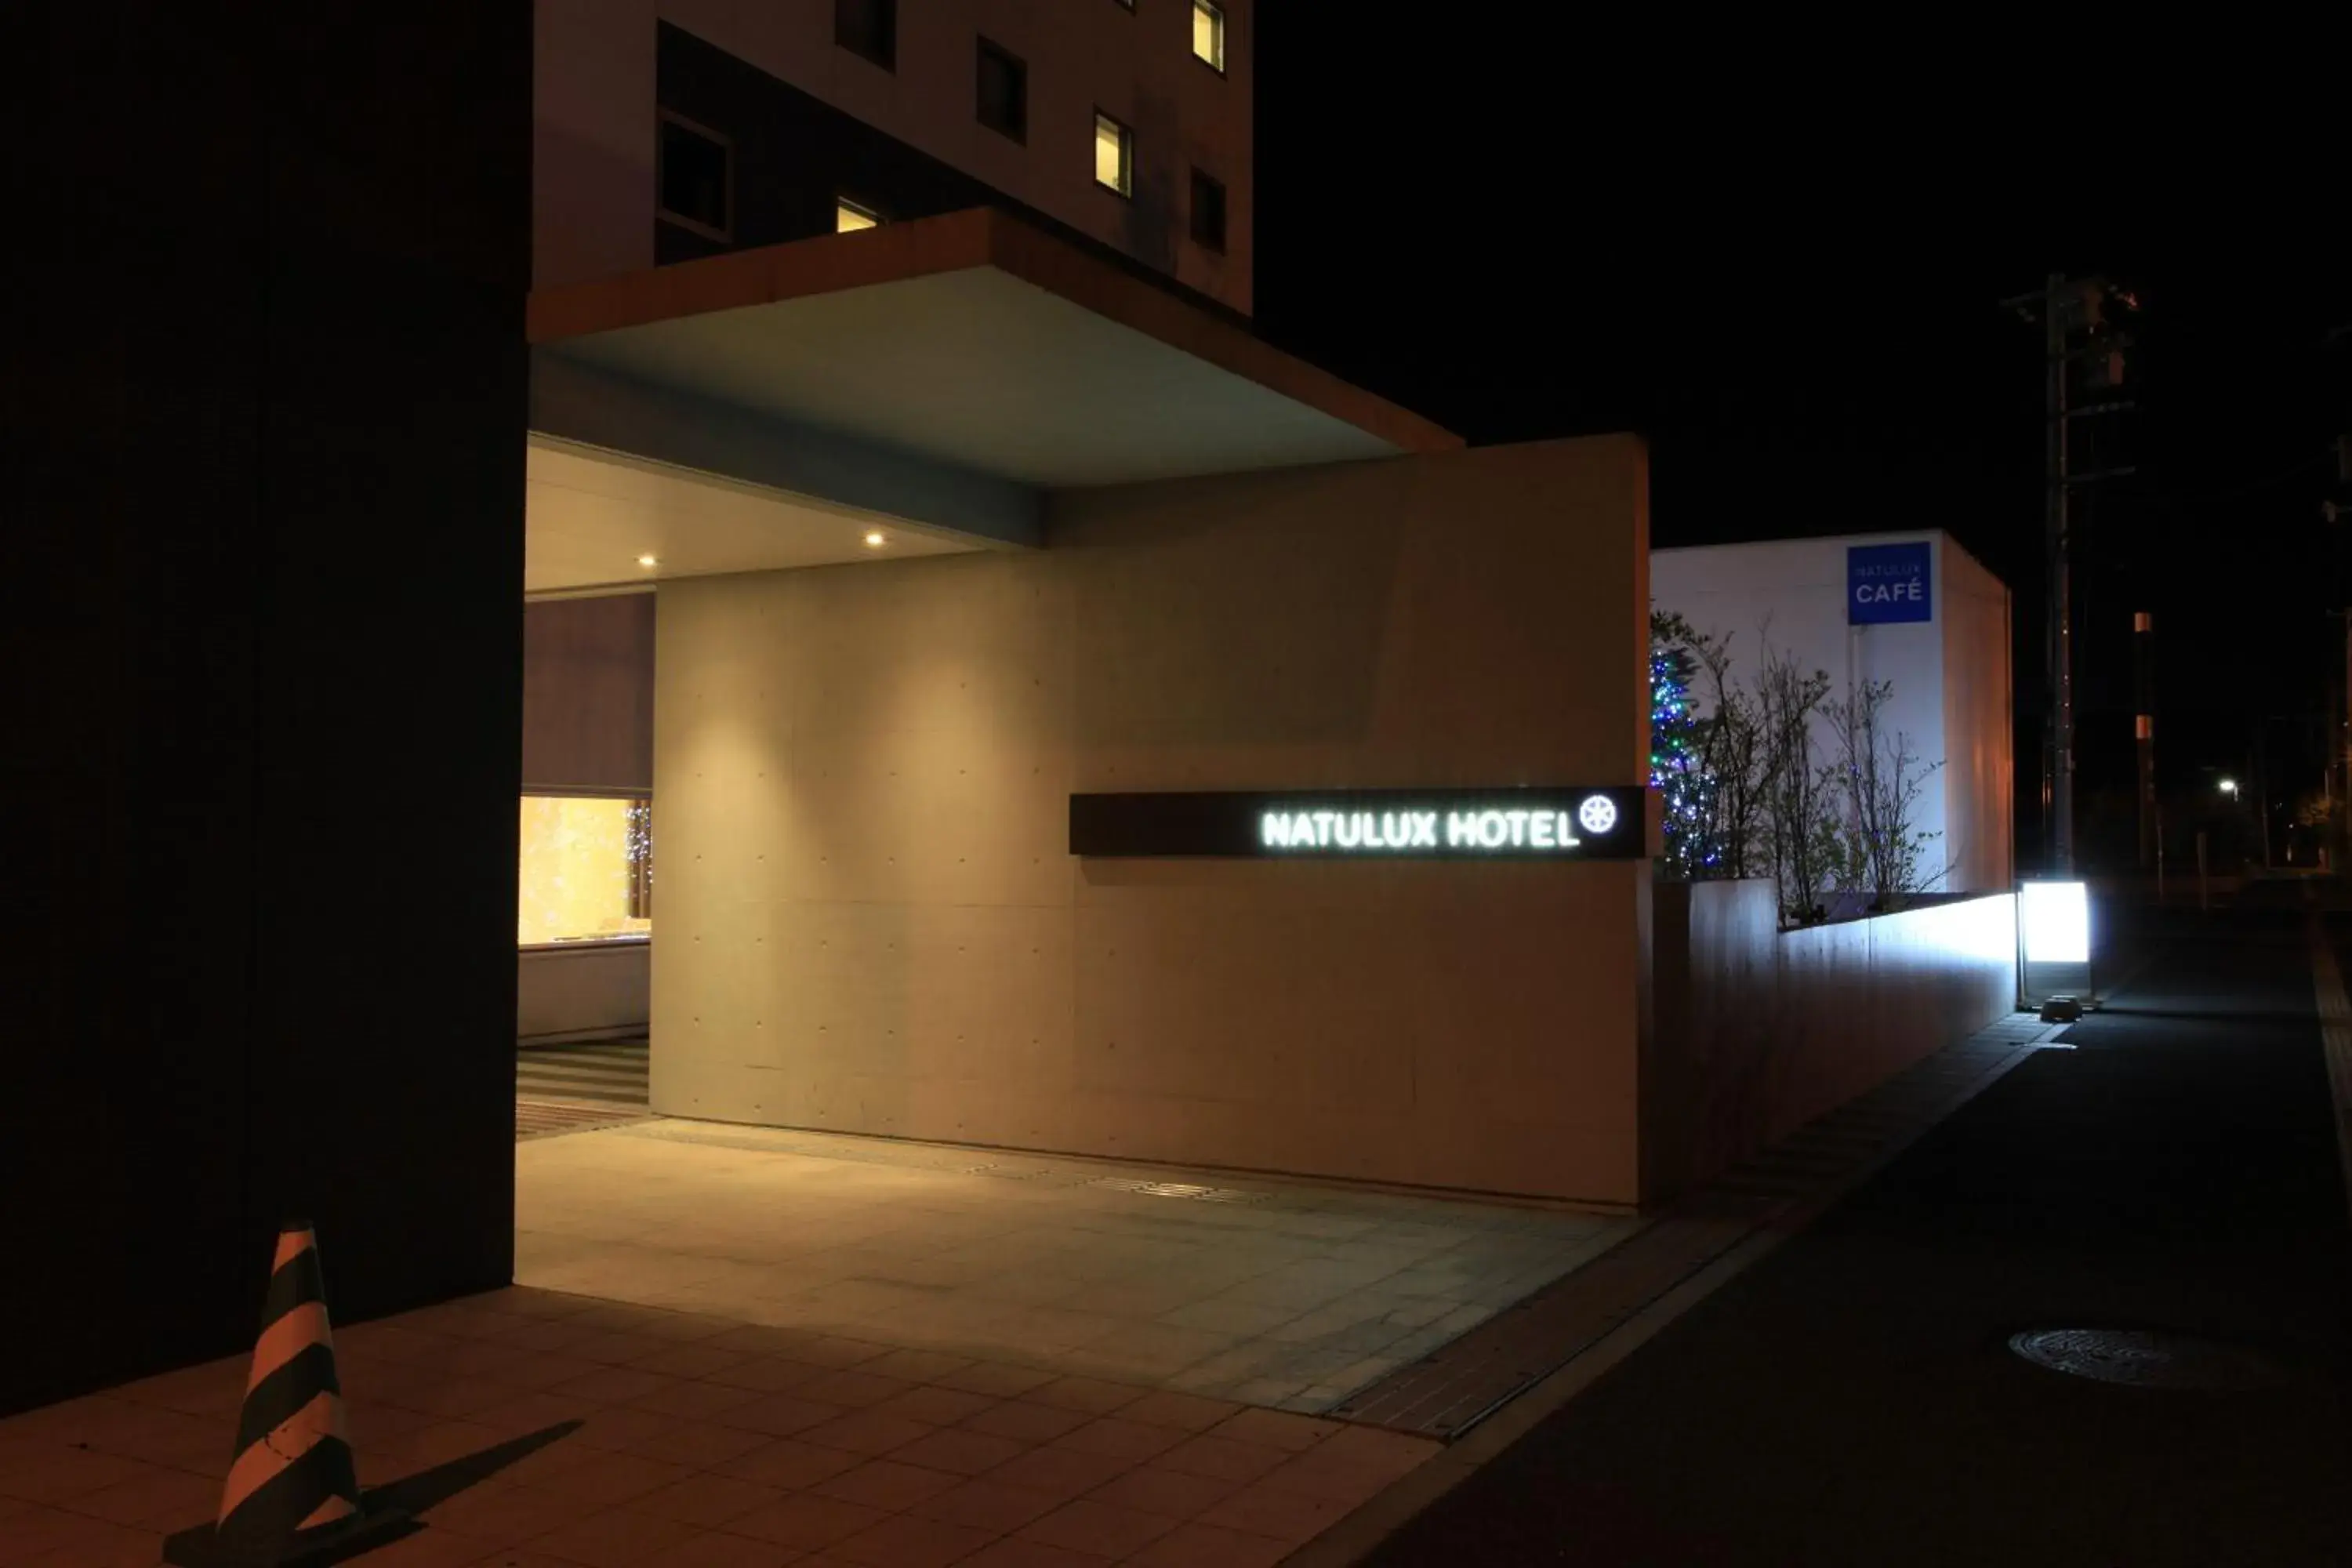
[1113, 154]
[869, 28]
[1003, 92]
[1208, 33]
[586, 871]
[695, 175]
[1208, 211]
[848, 217]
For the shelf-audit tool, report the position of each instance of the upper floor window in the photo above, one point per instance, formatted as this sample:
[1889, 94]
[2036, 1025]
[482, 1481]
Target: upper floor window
[1003, 92]
[1208, 211]
[849, 216]
[694, 172]
[1113, 154]
[869, 27]
[1208, 33]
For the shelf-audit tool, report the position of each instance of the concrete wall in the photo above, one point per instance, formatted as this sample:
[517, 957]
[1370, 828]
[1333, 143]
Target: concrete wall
[1757, 1031]
[871, 923]
[1951, 675]
[266, 413]
[583, 991]
[593, 200]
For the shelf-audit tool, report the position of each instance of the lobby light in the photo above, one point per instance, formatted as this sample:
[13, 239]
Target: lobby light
[874, 538]
[648, 561]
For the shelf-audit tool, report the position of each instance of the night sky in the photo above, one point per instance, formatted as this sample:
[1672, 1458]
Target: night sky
[1793, 290]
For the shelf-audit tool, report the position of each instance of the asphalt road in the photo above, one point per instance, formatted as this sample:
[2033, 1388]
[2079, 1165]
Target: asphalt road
[1851, 1398]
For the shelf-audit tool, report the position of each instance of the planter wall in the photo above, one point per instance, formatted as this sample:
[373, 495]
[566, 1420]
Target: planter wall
[1756, 1031]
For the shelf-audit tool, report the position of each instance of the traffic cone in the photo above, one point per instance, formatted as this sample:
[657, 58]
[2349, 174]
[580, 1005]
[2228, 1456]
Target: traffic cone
[292, 1494]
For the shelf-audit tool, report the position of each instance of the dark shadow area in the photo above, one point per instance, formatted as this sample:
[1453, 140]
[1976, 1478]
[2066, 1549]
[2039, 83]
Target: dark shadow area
[430, 1489]
[278, 316]
[387, 1513]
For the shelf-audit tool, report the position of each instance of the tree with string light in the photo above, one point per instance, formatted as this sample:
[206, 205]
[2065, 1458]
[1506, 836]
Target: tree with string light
[1686, 785]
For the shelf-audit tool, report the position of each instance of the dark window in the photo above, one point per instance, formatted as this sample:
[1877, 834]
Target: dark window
[1004, 93]
[695, 177]
[869, 27]
[1208, 211]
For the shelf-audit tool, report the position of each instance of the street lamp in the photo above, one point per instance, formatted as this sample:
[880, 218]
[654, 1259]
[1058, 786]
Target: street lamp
[2230, 788]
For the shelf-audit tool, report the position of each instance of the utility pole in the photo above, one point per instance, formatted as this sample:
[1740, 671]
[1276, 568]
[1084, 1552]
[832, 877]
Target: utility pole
[2336, 511]
[2262, 786]
[2063, 308]
[2061, 586]
[2144, 733]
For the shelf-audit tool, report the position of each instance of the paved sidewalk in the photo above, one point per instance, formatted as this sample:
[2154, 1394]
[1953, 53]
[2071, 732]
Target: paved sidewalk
[1255, 1290]
[1851, 1399]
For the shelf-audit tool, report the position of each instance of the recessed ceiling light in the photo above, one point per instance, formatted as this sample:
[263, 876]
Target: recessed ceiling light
[648, 561]
[874, 538]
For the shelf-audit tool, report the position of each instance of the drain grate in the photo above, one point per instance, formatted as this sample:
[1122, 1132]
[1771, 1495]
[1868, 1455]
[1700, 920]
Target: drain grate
[546, 1119]
[2143, 1359]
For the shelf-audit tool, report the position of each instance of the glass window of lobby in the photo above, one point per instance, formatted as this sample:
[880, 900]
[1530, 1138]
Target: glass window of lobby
[869, 28]
[1208, 33]
[695, 175]
[586, 869]
[1113, 154]
[849, 216]
[1002, 92]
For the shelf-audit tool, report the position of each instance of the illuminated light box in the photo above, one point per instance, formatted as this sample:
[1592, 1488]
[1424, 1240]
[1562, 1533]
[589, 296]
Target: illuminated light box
[2054, 942]
[2054, 921]
[1579, 823]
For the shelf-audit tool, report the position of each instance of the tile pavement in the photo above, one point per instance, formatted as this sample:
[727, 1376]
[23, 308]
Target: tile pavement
[799, 1348]
[708, 1442]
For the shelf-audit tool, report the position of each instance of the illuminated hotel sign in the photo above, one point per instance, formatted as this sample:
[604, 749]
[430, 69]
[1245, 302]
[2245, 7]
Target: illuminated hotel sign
[1604, 823]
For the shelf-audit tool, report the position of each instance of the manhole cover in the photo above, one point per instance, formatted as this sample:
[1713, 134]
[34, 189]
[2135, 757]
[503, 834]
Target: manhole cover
[2143, 1359]
[1176, 1190]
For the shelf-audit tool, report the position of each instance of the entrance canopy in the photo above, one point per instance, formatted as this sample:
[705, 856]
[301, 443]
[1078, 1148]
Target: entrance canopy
[948, 371]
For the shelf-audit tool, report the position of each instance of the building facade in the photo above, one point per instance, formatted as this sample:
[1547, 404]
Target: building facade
[669, 129]
[954, 517]
[1073, 723]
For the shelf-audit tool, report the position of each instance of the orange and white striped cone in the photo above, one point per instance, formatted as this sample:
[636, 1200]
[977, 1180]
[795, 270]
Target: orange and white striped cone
[292, 1493]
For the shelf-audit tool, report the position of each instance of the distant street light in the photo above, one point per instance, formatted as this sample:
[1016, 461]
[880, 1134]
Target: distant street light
[2230, 788]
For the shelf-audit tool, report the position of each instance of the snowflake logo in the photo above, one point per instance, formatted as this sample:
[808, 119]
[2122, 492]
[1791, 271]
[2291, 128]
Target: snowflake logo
[1598, 814]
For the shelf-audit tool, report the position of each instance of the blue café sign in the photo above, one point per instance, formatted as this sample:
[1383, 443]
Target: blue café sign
[1888, 583]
